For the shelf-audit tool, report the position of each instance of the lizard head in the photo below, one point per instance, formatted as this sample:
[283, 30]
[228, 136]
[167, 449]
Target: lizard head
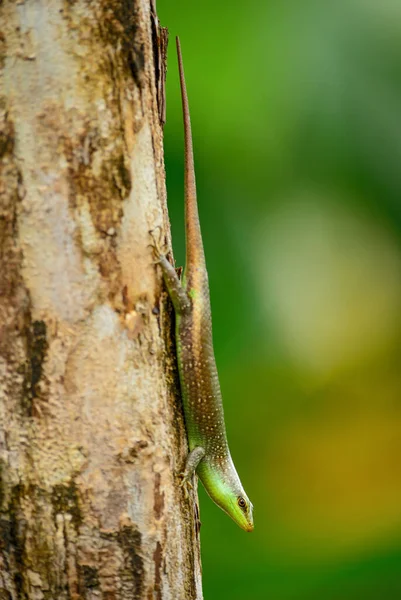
[226, 491]
[240, 509]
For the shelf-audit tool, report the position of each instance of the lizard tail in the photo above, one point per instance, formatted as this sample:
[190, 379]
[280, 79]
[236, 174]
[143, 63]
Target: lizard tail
[194, 245]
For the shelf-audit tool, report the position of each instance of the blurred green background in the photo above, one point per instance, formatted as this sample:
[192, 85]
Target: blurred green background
[296, 112]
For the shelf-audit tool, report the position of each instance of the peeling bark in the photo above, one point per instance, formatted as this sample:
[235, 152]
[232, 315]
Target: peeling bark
[91, 432]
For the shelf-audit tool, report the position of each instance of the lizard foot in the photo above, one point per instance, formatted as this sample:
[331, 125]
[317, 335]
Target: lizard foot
[185, 484]
[158, 245]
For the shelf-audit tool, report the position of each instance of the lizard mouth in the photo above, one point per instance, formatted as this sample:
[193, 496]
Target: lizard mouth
[247, 526]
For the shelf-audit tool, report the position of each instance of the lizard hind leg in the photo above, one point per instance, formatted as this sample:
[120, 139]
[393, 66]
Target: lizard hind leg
[159, 244]
[179, 297]
[193, 460]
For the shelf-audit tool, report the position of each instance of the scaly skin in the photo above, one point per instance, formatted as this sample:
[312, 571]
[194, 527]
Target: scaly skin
[203, 408]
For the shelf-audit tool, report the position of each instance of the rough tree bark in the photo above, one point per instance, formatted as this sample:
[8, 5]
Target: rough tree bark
[91, 432]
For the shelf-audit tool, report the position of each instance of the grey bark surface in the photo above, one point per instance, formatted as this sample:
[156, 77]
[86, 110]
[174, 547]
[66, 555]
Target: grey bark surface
[91, 428]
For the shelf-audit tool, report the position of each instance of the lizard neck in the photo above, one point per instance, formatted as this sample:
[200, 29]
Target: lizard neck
[218, 474]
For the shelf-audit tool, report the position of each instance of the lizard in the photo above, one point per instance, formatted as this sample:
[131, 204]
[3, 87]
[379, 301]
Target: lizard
[209, 454]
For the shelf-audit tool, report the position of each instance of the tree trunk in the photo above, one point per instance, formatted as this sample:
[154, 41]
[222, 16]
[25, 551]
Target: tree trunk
[91, 428]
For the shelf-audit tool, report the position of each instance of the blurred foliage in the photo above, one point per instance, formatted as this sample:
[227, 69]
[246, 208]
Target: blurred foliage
[296, 112]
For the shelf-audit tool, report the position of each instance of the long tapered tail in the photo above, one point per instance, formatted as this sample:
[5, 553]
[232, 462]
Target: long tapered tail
[194, 245]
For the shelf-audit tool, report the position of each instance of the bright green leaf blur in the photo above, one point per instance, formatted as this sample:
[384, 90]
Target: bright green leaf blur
[296, 112]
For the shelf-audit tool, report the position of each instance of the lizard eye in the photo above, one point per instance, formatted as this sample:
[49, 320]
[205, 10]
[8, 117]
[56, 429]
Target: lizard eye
[241, 502]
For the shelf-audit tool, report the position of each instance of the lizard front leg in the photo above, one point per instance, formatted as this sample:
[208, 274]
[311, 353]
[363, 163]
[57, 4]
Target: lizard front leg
[193, 460]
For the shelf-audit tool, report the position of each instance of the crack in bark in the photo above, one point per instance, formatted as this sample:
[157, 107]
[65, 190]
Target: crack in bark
[130, 540]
